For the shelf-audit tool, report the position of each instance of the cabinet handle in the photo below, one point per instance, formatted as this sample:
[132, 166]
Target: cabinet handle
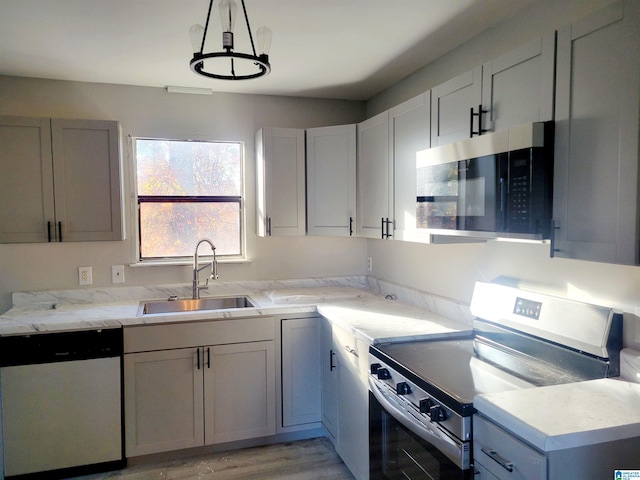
[269, 226]
[385, 226]
[208, 357]
[59, 231]
[350, 226]
[382, 228]
[331, 365]
[472, 114]
[553, 249]
[49, 231]
[493, 455]
[198, 357]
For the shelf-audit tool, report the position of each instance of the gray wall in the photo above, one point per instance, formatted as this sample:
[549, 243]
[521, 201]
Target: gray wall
[153, 112]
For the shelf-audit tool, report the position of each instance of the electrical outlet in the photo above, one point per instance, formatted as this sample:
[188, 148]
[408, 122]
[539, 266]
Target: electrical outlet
[369, 263]
[85, 276]
[117, 274]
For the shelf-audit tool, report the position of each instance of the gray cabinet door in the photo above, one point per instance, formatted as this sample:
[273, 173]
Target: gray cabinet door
[451, 105]
[409, 132]
[329, 382]
[331, 180]
[26, 179]
[375, 176]
[280, 182]
[301, 360]
[596, 153]
[86, 167]
[517, 87]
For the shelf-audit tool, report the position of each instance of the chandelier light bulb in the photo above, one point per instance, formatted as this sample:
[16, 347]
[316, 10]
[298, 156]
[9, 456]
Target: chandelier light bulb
[227, 10]
[196, 32]
[263, 37]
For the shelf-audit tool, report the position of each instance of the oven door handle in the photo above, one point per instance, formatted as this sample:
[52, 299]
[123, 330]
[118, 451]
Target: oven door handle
[436, 437]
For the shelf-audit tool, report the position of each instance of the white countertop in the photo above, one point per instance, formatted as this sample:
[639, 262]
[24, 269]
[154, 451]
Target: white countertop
[372, 317]
[565, 416]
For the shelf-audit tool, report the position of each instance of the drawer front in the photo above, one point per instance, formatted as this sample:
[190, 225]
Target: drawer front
[146, 338]
[505, 456]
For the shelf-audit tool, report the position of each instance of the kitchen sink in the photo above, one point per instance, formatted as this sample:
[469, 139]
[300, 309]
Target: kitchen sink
[193, 305]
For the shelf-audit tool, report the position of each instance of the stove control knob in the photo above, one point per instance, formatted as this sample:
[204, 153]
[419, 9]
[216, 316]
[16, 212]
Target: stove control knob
[438, 413]
[425, 405]
[374, 368]
[383, 374]
[403, 388]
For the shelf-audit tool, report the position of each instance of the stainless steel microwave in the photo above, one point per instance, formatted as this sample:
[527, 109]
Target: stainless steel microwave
[495, 185]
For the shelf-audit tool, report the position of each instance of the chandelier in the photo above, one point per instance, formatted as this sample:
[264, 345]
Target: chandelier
[228, 64]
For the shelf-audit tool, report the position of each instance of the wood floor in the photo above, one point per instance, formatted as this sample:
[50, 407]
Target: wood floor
[313, 459]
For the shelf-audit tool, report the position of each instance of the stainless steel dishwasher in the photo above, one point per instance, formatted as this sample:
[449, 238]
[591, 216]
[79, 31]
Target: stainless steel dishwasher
[61, 403]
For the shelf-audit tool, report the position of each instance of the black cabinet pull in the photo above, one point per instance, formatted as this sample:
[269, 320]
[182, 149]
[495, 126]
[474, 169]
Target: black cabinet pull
[208, 357]
[552, 247]
[269, 226]
[472, 114]
[49, 232]
[331, 365]
[385, 228]
[59, 231]
[350, 226]
[198, 357]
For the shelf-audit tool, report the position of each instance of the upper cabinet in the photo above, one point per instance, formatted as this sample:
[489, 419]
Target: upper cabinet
[375, 178]
[596, 154]
[452, 104]
[60, 180]
[517, 87]
[514, 89]
[331, 180]
[409, 132]
[280, 182]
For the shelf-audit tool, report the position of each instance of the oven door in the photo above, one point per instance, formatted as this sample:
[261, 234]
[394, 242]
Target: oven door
[395, 452]
[467, 195]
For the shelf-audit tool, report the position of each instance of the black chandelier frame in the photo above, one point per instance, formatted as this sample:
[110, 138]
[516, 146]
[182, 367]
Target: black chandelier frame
[260, 61]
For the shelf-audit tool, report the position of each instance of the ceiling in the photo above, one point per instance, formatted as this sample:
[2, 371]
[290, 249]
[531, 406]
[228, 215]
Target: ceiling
[347, 49]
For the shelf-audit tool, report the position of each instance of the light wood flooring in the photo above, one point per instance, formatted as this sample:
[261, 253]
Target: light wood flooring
[313, 459]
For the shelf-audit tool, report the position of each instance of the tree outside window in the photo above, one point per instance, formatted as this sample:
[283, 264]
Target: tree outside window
[188, 190]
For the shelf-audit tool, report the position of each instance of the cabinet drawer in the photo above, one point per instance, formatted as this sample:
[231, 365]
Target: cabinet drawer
[494, 447]
[351, 351]
[147, 338]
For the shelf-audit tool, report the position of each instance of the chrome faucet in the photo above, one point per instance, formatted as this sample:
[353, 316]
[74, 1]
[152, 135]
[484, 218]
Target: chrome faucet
[214, 269]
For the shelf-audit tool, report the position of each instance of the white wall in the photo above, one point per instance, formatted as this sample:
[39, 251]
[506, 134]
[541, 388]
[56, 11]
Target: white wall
[451, 270]
[155, 113]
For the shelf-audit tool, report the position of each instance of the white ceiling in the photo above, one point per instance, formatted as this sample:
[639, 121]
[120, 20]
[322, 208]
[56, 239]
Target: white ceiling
[350, 49]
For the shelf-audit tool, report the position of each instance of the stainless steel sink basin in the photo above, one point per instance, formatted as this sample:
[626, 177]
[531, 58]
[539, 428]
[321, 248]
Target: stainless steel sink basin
[190, 305]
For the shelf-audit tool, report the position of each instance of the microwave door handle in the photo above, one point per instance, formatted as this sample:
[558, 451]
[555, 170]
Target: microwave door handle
[503, 203]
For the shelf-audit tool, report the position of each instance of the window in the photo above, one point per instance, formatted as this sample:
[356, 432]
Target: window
[188, 190]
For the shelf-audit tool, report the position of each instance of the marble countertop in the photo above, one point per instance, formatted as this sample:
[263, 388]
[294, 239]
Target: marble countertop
[371, 316]
[566, 416]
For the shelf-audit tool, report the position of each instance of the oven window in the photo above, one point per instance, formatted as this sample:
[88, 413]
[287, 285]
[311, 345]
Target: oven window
[396, 453]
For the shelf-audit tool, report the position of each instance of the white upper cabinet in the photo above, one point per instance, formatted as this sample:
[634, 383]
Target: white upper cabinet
[280, 182]
[331, 180]
[409, 132]
[513, 89]
[517, 87]
[596, 155]
[375, 178]
[60, 180]
[451, 107]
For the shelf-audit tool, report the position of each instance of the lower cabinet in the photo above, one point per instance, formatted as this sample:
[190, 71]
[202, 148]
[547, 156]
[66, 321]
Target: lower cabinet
[301, 386]
[187, 397]
[345, 397]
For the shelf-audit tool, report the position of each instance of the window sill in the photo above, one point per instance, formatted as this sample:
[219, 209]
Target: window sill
[186, 263]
